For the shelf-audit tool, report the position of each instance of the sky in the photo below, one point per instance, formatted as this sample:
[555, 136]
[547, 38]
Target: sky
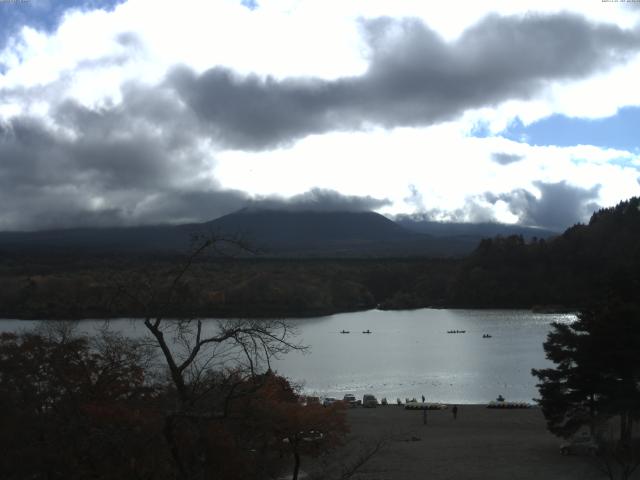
[134, 112]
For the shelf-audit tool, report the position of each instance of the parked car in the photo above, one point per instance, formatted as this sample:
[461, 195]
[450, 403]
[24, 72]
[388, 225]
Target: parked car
[369, 401]
[329, 401]
[580, 445]
[350, 399]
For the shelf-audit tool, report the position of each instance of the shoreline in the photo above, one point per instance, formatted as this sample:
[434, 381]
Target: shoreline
[296, 315]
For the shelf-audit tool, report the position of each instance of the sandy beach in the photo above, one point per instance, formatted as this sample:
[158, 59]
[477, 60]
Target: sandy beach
[480, 444]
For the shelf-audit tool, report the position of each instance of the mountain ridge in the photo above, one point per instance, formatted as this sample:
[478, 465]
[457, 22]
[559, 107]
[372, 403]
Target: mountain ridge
[271, 231]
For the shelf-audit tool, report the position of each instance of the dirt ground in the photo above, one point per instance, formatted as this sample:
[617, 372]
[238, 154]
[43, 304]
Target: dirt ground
[480, 444]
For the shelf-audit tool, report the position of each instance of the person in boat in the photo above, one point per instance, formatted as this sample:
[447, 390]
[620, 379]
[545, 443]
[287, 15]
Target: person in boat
[500, 398]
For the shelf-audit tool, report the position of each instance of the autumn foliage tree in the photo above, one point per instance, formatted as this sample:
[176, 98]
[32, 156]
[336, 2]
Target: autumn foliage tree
[288, 426]
[237, 351]
[72, 408]
[191, 400]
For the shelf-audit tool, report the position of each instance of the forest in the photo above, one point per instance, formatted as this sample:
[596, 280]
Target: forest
[560, 273]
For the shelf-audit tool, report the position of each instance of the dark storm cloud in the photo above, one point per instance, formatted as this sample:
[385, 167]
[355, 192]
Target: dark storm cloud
[321, 200]
[505, 158]
[560, 205]
[193, 205]
[138, 162]
[147, 159]
[414, 78]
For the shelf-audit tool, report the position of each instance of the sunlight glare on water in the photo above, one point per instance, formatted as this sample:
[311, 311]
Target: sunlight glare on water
[407, 354]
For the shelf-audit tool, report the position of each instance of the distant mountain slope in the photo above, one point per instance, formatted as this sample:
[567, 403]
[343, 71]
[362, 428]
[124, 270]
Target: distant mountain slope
[476, 230]
[160, 238]
[565, 272]
[272, 232]
[281, 227]
[279, 231]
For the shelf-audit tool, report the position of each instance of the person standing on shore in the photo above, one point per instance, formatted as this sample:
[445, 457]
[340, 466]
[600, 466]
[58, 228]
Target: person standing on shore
[454, 410]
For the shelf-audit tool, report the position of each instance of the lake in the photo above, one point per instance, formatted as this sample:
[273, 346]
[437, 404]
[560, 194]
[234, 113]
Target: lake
[408, 353]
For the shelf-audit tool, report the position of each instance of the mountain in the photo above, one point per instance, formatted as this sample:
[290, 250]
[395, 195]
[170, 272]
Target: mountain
[278, 233]
[310, 228]
[312, 233]
[563, 272]
[475, 230]
[271, 232]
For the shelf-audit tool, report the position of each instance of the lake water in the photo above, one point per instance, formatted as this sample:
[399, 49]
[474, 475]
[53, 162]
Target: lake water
[409, 353]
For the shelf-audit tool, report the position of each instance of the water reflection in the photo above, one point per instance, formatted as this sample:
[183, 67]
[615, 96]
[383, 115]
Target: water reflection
[410, 353]
[407, 353]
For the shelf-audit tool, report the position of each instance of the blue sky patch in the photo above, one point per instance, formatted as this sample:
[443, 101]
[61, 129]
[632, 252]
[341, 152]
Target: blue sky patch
[250, 4]
[41, 14]
[480, 129]
[620, 131]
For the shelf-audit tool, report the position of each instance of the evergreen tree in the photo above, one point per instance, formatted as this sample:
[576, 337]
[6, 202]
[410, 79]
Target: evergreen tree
[597, 372]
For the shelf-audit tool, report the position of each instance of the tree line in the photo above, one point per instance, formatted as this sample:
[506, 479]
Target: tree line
[188, 400]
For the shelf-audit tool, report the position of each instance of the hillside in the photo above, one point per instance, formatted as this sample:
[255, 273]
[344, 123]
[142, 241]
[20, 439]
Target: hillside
[272, 233]
[563, 272]
[144, 239]
[568, 270]
[470, 230]
[279, 231]
[269, 232]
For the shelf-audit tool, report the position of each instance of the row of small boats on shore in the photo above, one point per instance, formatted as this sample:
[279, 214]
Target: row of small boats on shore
[508, 405]
[485, 335]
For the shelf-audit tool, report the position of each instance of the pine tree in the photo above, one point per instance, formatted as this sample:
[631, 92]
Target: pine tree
[597, 372]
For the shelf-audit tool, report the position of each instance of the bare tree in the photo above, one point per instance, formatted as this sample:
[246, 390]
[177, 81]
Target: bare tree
[207, 361]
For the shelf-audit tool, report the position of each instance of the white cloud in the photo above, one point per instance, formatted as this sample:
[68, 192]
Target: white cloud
[87, 60]
[442, 162]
